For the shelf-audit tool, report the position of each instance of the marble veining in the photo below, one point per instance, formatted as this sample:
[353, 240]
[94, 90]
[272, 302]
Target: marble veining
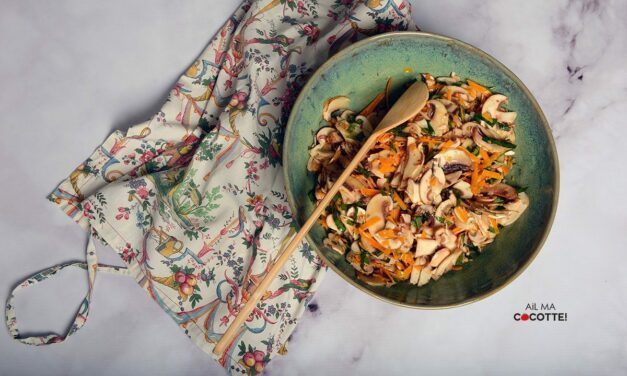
[72, 71]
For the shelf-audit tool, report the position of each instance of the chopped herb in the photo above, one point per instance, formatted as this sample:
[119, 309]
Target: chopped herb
[363, 259]
[417, 221]
[443, 220]
[352, 127]
[398, 132]
[361, 170]
[500, 207]
[430, 130]
[377, 253]
[474, 150]
[474, 251]
[359, 121]
[502, 143]
[478, 117]
[344, 206]
[460, 260]
[503, 126]
[499, 200]
[394, 147]
[340, 226]
[492, 230]
[350, 222]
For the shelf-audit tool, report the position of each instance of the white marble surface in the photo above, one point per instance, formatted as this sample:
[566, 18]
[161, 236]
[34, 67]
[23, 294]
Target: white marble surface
[71, 71]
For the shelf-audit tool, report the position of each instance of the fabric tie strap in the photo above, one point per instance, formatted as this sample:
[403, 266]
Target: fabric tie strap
[92, 267]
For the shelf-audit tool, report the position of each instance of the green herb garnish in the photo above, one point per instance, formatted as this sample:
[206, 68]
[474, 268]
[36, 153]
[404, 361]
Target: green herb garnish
[338, 223]
[430, 130]
[495, 141]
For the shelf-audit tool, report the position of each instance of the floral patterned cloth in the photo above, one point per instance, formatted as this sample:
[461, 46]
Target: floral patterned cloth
[193, 200]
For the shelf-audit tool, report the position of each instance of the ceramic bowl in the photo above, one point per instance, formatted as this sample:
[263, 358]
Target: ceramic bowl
[360, 72]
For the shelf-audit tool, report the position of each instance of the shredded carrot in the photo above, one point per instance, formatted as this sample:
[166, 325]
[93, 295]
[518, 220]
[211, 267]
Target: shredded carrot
[462, 214]
[470, 155]
[475, 185]
[369, 192]
[387, 165]
[407, 258]
[449, 95]
[370, 222]
[484, 155]
[394, 215]
[457, 230]
[374, 243]
[480, 88]
[387, 233]
[373, 104]
[490, 175]
[487, 116]
[423, 235]
[447, 145]
[495, 225]
[399, 201]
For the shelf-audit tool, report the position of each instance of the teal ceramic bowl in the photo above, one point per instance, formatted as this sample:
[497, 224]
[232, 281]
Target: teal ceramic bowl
[360, 72]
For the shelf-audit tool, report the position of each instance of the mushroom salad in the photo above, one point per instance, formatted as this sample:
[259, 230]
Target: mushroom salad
[430, 194]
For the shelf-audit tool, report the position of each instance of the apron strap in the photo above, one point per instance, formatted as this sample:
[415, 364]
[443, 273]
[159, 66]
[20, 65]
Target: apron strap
[91, 266]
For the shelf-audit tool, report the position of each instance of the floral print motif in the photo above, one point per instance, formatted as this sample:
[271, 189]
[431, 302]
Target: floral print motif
[193, 200]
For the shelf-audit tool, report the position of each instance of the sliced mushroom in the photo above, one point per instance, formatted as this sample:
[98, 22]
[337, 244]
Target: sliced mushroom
[333, 104]
[366, 125]
[413, 191]
[498, 132]
[446, 238]
[439, 120]
[514, 210]
[336, 243]
[502, 190]
[378, 207]
[354, 258]
[331, 223]
[425, 275]
[463, 188]
[446, 264]
[463, 93]
[431, 185]
[415, 159]
[492, 107]
[452, 160]
[328, 135]
[478, 138]
[349, 196]
[439, 256]
[425, 247]
[446, 206]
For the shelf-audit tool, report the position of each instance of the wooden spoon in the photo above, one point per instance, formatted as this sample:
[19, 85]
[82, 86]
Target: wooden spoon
[405, 108]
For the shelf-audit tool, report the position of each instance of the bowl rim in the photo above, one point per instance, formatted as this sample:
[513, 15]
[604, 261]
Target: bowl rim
[457, 43]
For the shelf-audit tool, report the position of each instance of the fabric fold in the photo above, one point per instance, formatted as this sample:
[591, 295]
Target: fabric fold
[193, 200]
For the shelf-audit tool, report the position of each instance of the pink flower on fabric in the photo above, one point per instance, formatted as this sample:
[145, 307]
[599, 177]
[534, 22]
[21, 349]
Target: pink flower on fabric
[148, 155]
[312, 32]
[142, 192]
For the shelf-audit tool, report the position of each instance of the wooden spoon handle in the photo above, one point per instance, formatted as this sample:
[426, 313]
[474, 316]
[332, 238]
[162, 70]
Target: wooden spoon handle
[255, 297]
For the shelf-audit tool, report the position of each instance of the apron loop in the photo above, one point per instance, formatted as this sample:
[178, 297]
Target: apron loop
[91, 265]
